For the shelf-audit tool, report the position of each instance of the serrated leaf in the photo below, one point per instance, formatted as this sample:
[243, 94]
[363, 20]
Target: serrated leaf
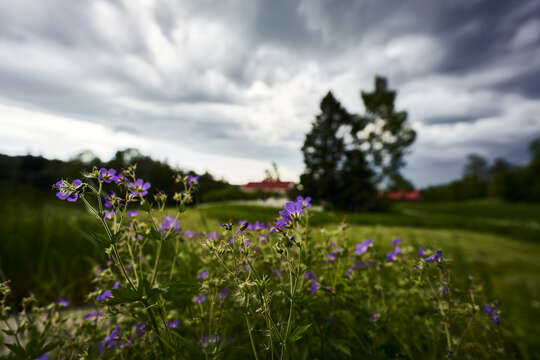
[122, 296]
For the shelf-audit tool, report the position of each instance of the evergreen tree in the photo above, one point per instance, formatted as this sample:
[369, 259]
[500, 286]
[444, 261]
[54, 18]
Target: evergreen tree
[336, 175]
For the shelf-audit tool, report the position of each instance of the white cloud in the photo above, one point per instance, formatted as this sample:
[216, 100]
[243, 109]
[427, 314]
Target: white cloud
[26, 131]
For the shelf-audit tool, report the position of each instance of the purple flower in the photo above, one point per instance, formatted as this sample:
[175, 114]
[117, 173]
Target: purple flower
[352, 268]
[45, 356]
[117, 285]
[63, 303]
[192, 179]
[142, 329]
[189, 234]
[139, 187]
[306, 202]
[231, 242]
[374, 316]
[396, 241]
[202, 275]
[364, 246]
[133, 213]
[173, 324]
[93, 315]
[281, 224]
[109, 214]
[243, 223]
[292, 209]
[392, 256]
[65, 190]
[434, 258]
[118, 179]
[111, 199]
[169, 225]
[209, 340]
[104, 296]
[224, 293]
[333, 254]
[444, 291]
[110, 341]
[314, 283]
[107, 175]
[215, 338]
[109, 262]
[493, 310]
[314, 286]
[199, 299]
[421, 252]
[213, 236]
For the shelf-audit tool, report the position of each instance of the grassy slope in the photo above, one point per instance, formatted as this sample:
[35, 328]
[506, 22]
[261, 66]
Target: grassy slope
[43, 248]
[507, 266]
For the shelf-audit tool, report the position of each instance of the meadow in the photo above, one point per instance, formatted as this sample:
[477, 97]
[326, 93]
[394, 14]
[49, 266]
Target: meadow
[46, 249]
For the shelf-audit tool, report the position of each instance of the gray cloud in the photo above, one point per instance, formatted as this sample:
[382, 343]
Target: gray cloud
[243, 79]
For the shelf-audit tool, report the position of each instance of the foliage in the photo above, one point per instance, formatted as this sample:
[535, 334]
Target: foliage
[501, 180]
[331, 165]
[347, 156]
[250, 290]
[30, 176]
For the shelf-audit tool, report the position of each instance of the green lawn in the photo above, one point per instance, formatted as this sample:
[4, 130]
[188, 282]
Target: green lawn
[44, 248]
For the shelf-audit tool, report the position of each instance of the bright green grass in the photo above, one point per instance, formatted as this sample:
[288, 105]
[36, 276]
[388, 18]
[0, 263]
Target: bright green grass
[515, 221]
[484, 208]
[507, 267]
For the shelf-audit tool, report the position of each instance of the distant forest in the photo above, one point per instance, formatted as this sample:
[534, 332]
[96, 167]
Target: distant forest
[500, 179]
[31, 177]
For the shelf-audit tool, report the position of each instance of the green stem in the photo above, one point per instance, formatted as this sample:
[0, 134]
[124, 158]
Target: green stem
[253, 348]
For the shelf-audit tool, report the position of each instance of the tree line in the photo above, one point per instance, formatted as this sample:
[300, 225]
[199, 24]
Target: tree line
[30, 177]
[500, 179]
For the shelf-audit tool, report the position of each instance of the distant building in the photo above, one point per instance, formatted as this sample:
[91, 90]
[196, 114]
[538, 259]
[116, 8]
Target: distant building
[402, 195]
[269, 185]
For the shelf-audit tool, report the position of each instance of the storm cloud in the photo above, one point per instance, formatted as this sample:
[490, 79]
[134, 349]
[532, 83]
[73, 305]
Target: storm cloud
[200, 83]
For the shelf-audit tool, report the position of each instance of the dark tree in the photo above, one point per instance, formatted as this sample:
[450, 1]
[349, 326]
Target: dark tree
[383, 133]
[324, 151]
[476, 167]
[336, 175]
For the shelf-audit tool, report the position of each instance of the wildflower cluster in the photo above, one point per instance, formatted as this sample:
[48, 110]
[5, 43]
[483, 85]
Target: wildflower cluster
[249, 289]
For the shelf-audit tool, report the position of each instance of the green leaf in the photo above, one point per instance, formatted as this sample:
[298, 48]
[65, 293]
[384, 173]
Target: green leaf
[122, 296]
[99, 238]
[17, 350]
[299, 332]
[341, 347]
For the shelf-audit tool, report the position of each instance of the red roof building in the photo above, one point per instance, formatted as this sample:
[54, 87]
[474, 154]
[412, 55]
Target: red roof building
[414, 195]
[269, 185]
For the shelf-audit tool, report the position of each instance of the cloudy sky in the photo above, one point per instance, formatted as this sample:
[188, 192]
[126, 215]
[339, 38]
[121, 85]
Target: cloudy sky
[230, 86]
